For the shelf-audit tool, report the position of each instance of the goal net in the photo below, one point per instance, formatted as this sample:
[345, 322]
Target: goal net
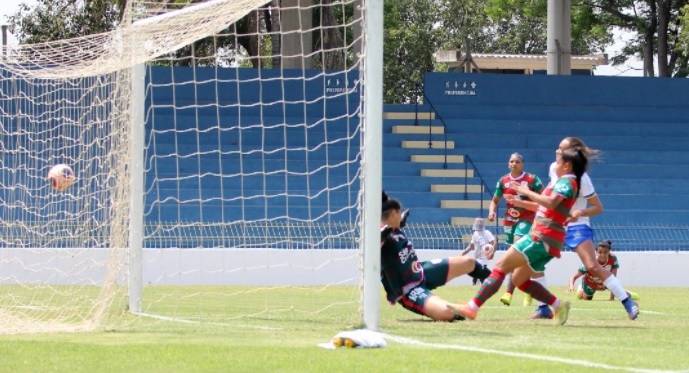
[218, 150]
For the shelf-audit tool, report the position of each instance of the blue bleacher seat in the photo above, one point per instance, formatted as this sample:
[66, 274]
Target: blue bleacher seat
[640, 176]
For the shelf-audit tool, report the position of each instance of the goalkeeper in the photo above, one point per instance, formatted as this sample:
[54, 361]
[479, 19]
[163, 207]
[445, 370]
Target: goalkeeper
[407, 280]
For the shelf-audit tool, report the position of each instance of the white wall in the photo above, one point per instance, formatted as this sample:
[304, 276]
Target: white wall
[647, 268]
[301, 267]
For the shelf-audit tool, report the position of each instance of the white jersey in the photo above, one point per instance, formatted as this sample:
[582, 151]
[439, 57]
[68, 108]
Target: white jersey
[586, 191]
[480, 239]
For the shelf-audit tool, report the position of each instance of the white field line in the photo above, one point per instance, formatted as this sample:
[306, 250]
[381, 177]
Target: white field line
[197, 322]
[598, 310]
[523, 355]
[585, 309]
[652, 312]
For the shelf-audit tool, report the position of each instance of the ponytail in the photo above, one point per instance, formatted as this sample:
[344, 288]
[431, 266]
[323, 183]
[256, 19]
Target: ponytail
[577, 158]
[578, 144]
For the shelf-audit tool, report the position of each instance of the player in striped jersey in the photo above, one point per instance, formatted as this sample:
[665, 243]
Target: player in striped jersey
[518, 219]
[580, 234]
[532, 252]
[590, 283]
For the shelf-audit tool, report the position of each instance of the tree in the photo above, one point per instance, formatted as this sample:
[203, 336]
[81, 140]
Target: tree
[257, 33]
[657, 25]
[521, 27]
[464, 22]
[50, 20]
[683, 43]
[414, 30]
[410, 40]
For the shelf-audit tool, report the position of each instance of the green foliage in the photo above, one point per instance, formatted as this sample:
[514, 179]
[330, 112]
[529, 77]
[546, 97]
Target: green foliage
[464, 21]
[591, 32]
[410, 40]
[646, 20]
[521, 27]
[683, 43]
[414, 31]
[49, 20]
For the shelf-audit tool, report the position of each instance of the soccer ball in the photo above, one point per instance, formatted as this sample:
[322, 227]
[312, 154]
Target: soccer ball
[61, 177]
[488, 251]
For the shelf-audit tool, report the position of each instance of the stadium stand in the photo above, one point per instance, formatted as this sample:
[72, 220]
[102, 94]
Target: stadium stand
[639, 124]
[196, 133]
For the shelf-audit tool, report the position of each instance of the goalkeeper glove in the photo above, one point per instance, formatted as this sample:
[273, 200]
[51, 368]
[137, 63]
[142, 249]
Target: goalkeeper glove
[384, 233]
[405, 215]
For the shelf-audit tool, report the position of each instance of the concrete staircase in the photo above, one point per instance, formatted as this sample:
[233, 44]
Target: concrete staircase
[446, 179]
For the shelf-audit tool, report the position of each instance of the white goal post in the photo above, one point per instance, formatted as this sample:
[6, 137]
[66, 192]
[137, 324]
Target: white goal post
[224, 152]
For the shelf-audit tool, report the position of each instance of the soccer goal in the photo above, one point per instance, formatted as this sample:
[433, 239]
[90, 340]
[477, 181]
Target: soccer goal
[227, 156]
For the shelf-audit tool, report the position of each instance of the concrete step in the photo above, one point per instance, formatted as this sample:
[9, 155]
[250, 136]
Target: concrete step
[423, 144]
[463, 204]
[409, 115]
[437, 158]
[442, 172]
[455, 188]
[418, 130]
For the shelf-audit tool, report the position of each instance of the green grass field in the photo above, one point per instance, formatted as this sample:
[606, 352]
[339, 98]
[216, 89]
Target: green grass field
[598, 333]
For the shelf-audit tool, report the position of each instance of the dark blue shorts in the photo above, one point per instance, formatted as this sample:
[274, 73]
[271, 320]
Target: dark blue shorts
[577, 234]
[435, 274]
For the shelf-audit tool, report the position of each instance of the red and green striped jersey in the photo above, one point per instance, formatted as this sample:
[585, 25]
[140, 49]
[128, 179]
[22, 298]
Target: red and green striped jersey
[513, 214]
[594, 282]
[550, 224]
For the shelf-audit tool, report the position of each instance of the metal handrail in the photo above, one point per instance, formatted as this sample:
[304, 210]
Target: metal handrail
[467, 158]
[484, 188]
[430, 129]
[477, 173]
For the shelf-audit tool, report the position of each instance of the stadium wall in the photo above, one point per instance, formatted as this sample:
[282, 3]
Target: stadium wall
[294, 267]
[600, 96]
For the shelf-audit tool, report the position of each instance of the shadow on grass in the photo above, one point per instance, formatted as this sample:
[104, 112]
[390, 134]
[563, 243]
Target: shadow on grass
[467, 328]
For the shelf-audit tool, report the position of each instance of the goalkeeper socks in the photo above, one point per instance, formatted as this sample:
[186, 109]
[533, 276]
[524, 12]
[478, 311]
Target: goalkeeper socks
[480, 272]
[538, 291]
[490, 286]
[615, 286]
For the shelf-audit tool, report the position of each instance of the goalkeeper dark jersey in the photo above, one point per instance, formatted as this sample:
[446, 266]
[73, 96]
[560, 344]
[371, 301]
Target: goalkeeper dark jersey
[401, 270]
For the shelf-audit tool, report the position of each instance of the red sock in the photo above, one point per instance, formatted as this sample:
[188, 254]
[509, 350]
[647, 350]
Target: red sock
[538, 292]
[490, 286]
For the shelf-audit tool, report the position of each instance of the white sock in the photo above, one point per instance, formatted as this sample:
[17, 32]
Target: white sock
[540, 280]
[555, 305]
[615, 286]
[472, 305]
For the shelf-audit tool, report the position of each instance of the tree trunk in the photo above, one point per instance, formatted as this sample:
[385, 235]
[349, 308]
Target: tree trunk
[649, 41]
[333, 42]
[121, 5]
[272, 18]
[248, 37]
[663, 22]
[676, 55]
[295, 22]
